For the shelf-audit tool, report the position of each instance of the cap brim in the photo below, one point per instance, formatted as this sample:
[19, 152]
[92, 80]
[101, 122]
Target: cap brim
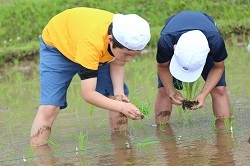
[183, 75]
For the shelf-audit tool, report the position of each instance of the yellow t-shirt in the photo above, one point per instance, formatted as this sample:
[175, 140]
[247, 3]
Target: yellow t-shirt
[80, 34]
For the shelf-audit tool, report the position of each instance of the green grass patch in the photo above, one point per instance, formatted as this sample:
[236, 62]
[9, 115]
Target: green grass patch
[22, 21]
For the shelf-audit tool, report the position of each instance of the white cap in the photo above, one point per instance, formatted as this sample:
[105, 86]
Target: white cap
[131, 31]
[190, 56]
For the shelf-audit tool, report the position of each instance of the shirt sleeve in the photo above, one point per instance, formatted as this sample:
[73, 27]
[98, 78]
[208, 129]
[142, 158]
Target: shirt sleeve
[165, 49]
[85, 73]
[217, 48]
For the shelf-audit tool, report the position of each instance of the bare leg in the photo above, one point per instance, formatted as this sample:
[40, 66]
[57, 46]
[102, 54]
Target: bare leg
[117, 120]
[44, 157]
[220, 102]
[41, 127]
[163, 107]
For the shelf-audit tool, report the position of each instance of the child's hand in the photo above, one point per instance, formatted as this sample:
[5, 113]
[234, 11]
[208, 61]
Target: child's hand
[175, 97]
[128, 108]
[200, 99]
[131, 111]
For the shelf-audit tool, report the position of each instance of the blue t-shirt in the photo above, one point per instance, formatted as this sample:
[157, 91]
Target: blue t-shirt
[185, 21]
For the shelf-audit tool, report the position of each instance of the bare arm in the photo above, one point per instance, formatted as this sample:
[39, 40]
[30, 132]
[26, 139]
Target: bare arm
[93, 97]
[117, 73]
[212, 80]
[165, 75]
[167, 81]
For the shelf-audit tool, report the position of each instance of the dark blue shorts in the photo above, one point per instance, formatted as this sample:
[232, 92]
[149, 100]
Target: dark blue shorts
[56, 73]
[208, 66]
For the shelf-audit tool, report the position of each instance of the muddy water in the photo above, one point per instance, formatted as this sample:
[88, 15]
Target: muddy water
[194, 138]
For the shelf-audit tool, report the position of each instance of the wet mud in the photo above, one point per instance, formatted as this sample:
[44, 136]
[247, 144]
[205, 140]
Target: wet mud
[187, 104]
[163, 114]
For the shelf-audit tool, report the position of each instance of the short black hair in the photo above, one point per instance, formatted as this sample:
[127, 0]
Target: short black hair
[115, 42]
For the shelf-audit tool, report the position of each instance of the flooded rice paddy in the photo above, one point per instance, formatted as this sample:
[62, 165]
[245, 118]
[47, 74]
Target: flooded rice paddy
[81, 134]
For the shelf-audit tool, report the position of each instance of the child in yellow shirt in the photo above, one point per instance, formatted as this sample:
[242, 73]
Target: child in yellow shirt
[95, 44]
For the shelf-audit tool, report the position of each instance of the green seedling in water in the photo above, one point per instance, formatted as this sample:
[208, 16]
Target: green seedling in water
[143, 105]
[162, 127]
[91, 109]
[189, 113]
[147, 142]
[49, 141]
[144, 108]
[106, 137]
[213, 121]
[29, 153]
[1, 145]
[229, 124]
[180, 115]
[237, 89]
[81, 138]
[186, 118]
[190, 91]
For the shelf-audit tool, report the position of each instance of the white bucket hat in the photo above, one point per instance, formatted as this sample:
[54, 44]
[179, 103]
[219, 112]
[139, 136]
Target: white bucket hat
[190, 56]
[131, 31]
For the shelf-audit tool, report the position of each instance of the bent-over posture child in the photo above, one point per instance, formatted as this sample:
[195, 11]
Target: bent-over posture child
[95, 44]
[190, 45]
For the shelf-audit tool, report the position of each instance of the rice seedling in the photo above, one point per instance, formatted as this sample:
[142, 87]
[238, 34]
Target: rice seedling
[184, 117]
[29, 153]
[189, 113]
[106, 136]
[229, 124]
[144, 107]
[76, 108]
[162, 127]
[146, 142]
[237, 89]
[81, 139]
[103, 121]
[91, 109]
[1, 145]
[180, 115]
[190, 89]
[212, 122]
[232, 112]
[53, 143]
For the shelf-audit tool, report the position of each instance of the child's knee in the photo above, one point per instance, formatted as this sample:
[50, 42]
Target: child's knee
[48, 111]
[162, 92]
[219, 91]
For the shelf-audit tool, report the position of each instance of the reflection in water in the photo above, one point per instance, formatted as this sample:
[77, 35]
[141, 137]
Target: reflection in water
[44, 156]
[169, 144]
[224, 145]
[123, 153]
[196, 152]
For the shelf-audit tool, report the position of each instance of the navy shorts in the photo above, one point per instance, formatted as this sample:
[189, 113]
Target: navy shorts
[56, 73]
[208, 66]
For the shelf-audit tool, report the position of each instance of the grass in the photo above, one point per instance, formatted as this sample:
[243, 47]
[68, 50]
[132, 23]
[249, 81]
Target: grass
[22, 21]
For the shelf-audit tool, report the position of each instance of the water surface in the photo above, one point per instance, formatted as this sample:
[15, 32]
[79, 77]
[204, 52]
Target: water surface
[194, 138]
